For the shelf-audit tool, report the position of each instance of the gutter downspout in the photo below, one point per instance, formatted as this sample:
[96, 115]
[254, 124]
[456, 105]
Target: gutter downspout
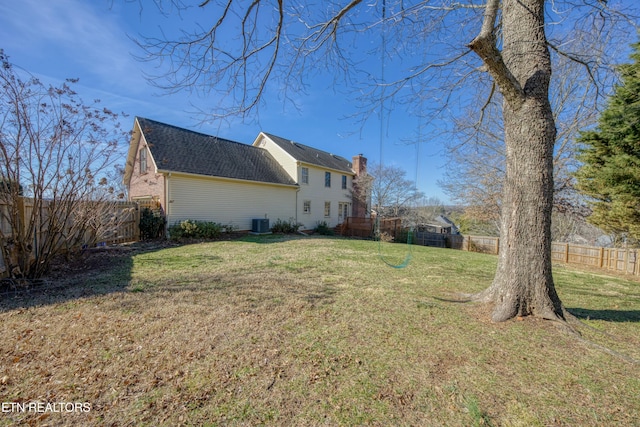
[167, 197]
[298, 178]
[296, 208]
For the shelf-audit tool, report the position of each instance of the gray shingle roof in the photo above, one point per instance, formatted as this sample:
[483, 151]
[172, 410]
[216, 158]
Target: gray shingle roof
[311, 155]
[180, 150]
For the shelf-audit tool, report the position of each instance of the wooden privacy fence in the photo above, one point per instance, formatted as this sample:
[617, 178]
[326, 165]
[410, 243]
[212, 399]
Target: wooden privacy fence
[612, 259]
[484, 244]
[127, 227]
[364, 227]
[118, 222]
[123, 217]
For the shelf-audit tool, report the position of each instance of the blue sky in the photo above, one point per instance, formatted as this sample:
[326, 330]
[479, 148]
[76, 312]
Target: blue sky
[91, 40]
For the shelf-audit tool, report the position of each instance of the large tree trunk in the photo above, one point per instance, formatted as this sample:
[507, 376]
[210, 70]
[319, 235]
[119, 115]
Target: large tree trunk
[523, 284]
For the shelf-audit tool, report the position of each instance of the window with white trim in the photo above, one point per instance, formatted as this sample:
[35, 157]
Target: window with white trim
[304, 175]
[343, 211]
[143, 160]
[306, 206]
[327, 208]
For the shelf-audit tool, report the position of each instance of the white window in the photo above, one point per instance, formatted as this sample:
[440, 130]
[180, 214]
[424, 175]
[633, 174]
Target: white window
[327, 208]
[327, 179]
[304, 175]
[306, 206]
[343, 211]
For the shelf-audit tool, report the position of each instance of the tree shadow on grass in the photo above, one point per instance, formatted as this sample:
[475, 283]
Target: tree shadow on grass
[580, 313]
[462, 299]
[96, 273]
[321, 296]
[110, 272]
[606, 315]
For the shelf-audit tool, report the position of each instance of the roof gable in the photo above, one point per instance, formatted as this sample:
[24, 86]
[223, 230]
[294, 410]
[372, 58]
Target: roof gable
[176, 149]
[310, 155]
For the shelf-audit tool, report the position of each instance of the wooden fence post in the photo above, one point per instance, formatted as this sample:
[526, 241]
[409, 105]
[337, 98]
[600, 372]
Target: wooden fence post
[626, 260]
[599, 257]
[601, 261]
[136, 224]
[615, 260]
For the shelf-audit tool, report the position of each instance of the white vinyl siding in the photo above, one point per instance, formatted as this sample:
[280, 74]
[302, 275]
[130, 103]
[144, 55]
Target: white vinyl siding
[318, 194]
[314, 190]
[228, 202]
[288, 163]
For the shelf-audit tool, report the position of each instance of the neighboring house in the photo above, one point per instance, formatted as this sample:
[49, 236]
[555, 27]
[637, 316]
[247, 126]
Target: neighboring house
[202, 177]
[453, 228]
[440, 224]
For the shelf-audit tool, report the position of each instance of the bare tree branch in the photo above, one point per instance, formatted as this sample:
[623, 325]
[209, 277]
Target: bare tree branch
[484, 45]
[55, 161]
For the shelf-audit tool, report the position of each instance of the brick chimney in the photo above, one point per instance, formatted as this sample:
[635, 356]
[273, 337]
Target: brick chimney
[359, 201]
[359, 164]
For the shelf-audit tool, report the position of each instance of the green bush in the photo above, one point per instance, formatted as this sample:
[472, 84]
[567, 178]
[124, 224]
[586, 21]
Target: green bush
[209, 230]
[324, 229]
[190, 229]
[151, 224]
[285, 227]
[230, 228]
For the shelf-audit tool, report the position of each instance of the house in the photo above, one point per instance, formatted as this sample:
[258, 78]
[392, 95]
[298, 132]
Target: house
[325, 180]
[196, 176]
[440, 224]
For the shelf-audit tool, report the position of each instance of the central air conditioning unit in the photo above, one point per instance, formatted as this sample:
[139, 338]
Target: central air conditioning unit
[260, 225]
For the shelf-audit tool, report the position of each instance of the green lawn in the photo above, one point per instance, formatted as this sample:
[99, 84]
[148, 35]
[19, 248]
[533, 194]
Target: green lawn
[314, 331]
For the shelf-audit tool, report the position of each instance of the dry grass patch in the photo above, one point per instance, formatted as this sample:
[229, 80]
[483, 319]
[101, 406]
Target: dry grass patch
[313, 331]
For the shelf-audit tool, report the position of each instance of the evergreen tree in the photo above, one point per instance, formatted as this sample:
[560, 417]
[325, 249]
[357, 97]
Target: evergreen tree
[610, 156]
